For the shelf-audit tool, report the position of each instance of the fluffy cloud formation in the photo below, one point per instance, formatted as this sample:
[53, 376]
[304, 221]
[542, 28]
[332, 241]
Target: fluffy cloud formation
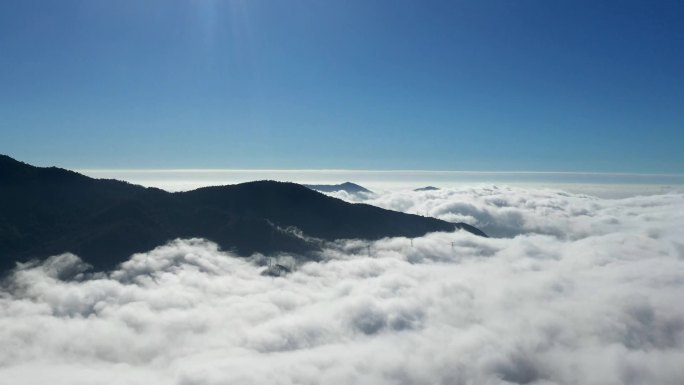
[510, 211]
[578, 290]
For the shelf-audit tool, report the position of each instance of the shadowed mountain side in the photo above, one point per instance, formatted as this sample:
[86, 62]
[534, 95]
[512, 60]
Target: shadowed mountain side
[46, 211]
[317, 215]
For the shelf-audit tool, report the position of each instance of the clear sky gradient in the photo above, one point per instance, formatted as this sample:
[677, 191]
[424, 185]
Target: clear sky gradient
[439, 85]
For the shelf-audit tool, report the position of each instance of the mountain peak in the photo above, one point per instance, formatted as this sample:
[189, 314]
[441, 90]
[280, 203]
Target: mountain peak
[349, 187]
[427, 188]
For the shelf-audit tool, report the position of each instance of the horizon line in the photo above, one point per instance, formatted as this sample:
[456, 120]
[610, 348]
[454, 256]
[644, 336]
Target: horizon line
[369, 171]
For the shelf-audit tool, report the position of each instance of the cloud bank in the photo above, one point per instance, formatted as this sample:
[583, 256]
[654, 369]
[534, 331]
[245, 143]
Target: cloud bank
[596, 183]
[504, 211]
[577, 290]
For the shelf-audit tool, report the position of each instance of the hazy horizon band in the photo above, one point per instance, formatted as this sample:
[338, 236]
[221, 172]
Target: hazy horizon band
[373, 171]
[596, 183]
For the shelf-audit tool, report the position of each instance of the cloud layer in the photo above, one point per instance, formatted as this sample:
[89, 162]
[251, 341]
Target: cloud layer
[503, 211]
[578, 290]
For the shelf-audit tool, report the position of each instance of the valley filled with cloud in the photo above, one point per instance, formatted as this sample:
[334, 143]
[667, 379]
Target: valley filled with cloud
[569, 289]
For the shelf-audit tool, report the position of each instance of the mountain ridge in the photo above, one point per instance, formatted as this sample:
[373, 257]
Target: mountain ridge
[349, 187]
[48, 210]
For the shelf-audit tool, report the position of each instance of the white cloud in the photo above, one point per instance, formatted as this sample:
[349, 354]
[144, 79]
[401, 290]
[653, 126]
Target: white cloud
[582, 291]
[504, 211]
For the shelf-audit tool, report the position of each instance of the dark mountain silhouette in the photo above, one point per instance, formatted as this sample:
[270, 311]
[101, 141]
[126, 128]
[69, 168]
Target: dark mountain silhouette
[427, 188]
[46, 211]
[346, 186]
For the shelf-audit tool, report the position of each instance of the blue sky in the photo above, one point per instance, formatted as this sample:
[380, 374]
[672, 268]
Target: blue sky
[441, 85]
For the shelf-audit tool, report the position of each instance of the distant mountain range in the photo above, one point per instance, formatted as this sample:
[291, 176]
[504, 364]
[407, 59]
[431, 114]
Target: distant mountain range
[46, 211]
[346, 186]
[427, 188]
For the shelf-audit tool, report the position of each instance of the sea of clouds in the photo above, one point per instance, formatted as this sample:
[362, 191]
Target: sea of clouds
[570, 289]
